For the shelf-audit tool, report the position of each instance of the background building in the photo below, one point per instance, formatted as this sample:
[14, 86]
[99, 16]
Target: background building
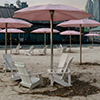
[93, 7]
[89, 7]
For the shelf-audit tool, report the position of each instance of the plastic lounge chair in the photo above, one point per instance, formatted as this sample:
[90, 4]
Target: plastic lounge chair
[43, 52]
[30, 51]
[27, 79]
[8, 65]
[63, 78]
[16, 50]
[15, 76]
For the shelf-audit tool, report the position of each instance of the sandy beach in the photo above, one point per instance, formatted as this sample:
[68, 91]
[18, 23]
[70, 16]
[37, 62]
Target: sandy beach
[89, 72]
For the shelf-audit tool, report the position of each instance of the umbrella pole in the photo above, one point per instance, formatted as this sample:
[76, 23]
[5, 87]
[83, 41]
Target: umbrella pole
[51, 25]
[10, 43]
[70, 41]
[6, 38]
[92, 41]
[80, 46]
[45, 42]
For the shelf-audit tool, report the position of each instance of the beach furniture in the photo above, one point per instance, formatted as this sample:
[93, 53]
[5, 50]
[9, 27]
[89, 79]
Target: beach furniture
[62, 49]
[58, 48]
[43, 51]
[8, 63]
[62, 62]
[30, 51]
[16, 50]
[63, 78]
[15, 76]
[27, 78]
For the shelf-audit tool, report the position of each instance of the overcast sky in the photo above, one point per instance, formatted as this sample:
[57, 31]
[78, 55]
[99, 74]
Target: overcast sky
[75, 3]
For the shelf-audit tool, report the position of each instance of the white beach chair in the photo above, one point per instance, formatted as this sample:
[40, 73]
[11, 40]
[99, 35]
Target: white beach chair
[27, 79]
[62, 62]
[9, 64]
[43, 51]
[63, 78]
[62, 49]
[30, 51]
[58, 48]
[16, 50]
[15, 76]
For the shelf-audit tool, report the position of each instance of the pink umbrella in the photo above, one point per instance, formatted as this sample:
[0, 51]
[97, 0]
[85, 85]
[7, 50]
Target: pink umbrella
[44, 30]
[69, 32]
[11, 30]
[52, 13]
[80, 23]
[12, 23]
[92, 35]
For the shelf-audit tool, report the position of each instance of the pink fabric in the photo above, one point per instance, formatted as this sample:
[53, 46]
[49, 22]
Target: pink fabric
[77, 23]
[44, 30]
[70, 33]
[13, 23]
[92, 34]
[41, 12]
[12, 30]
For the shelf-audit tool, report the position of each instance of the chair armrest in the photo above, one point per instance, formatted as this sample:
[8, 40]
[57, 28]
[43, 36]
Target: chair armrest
[52, 71]
[59, 72]
[16, 62]
[37, 73]
[3, 61]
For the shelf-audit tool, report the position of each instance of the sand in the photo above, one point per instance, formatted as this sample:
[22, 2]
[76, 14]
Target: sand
[87, 72]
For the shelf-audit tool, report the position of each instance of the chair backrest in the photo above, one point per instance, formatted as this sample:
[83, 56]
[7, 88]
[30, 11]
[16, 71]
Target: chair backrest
[45, 49]
[31, 48]
[17, 48]
[66, 67]
[56, 46]
[9, 59]
[60, 45]
[64, 50]
[24, 74]
[6, 61]
[63, 60]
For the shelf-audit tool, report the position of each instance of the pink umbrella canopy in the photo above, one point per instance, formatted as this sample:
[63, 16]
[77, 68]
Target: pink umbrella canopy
[42, 12]
[70, 33]
[12, 30]
[12, 23]
[44, 30]
[80, 23]
[52, 13]
[77, 23]
[92, 34]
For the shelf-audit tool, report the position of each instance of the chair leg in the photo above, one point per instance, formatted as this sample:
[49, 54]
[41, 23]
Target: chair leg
[19, 85]
[69, 79]
[52, 80]
[41, 80]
